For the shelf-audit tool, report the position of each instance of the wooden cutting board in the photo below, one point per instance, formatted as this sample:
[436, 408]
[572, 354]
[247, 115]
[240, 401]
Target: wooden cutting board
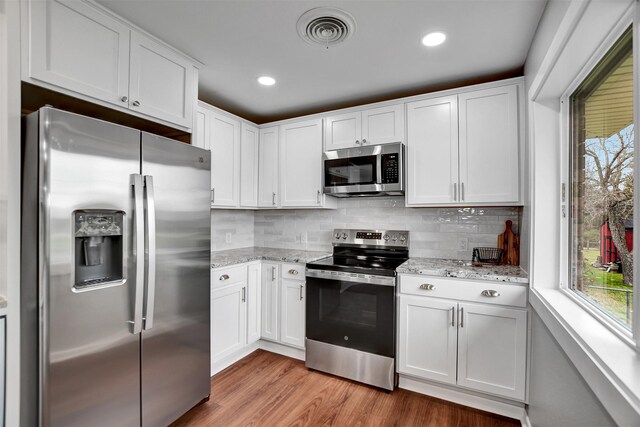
[509, 242]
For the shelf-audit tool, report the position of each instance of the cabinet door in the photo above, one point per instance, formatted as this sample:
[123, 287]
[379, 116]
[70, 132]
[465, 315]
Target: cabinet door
[489, 145]
[342, 131]
[225, 160]
[492, 349]
[270, 302]
[202, 131]
[77, 47]
[161, 82]
[301, 164]
[383, 125]
[292, 314]
[432, 151]
[268, 170]
[254, 301]
[249, 166]
[427, 338]
[228, 320]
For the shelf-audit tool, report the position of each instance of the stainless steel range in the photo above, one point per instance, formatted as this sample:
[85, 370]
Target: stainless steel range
[350, 309]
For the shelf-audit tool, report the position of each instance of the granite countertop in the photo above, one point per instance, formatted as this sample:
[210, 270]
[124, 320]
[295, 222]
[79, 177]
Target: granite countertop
[464, 270]
[239, 256]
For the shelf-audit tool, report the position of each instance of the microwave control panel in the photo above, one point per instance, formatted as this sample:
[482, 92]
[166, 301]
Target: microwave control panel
[390, 168]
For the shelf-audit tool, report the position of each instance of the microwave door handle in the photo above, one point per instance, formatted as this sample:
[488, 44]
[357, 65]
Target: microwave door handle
[379, 169]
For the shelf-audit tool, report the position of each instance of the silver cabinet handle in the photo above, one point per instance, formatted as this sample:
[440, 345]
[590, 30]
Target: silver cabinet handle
[318, 197]
[453, 316]
[124, 99]
[150, 251]
[490, 293]
[273, 273]
[357, 142]
[301, 292]
[293, 271]
[462, 191]
[224, 277]
[364, 141]
[138, 251]
[213, 195]
[136, 103]
[244, 294]
[461, 319]
[273, 199]
[427, 286]
[455, 191]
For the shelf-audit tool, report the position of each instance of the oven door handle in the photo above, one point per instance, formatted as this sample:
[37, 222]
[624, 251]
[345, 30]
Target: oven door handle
[364, 279]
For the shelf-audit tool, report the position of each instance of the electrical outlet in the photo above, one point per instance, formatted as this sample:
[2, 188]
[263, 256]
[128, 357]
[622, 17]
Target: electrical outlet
[463, 243]
[227, 237]
[303, 237]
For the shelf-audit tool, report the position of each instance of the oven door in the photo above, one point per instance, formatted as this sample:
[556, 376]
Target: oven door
[350, 313]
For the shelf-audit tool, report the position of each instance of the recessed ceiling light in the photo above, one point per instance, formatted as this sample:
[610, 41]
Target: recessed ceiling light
[433, 39]
[266, 80]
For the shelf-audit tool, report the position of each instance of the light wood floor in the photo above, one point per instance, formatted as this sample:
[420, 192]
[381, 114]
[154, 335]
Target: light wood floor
[266, 389]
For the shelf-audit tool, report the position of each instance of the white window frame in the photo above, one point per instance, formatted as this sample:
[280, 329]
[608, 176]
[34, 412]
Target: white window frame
[629, 337]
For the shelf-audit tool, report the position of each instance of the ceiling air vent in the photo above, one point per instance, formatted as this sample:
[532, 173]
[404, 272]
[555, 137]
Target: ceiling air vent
[326, 26]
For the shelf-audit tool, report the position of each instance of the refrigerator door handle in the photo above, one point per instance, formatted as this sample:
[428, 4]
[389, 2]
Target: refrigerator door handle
[150, 252]
[138, 249]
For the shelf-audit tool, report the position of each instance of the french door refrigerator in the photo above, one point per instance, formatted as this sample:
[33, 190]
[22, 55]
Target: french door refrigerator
[115, 274]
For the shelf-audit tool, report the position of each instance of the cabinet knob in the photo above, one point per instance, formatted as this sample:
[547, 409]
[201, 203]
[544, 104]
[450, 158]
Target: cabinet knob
[124, 99]
[136, 103]
[364, 141]
[490, 293]
[427, 286]
[224, 277]
[357, 141]
[293, 271]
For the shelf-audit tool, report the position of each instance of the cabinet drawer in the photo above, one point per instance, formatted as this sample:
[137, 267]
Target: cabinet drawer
[227, 275]
[467, 290]
[293, 271]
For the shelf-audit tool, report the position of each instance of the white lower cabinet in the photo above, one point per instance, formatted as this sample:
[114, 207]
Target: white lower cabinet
[292, 314]
[477, 346]
[270, 301]
[254, 302]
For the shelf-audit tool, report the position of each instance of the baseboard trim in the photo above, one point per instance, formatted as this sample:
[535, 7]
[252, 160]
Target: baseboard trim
[284, 350]
[233, 358]
[512, 410]
[525, 421]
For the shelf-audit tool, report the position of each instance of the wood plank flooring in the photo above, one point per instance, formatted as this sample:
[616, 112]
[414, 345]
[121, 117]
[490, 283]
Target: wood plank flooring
[266, 389]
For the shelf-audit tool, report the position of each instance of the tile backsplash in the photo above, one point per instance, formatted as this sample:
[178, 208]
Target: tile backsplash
[434, 232]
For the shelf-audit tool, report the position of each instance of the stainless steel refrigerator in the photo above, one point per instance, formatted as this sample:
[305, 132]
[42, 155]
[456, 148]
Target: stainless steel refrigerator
[115, 274]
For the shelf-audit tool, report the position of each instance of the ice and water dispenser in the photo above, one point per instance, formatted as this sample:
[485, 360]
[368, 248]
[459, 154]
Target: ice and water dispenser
[98, 248]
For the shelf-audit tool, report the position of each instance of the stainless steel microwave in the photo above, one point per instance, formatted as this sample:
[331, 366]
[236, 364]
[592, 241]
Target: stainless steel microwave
[375, 170]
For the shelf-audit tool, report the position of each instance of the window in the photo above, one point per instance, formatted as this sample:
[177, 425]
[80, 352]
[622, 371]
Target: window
[602, 151]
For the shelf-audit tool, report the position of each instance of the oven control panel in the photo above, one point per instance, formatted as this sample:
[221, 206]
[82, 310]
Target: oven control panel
[387, 238]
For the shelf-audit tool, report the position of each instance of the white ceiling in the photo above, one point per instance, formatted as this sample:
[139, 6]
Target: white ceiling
[239, 40]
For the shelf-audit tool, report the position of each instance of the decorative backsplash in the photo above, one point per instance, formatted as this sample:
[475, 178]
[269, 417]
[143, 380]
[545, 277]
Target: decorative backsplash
[435, 232]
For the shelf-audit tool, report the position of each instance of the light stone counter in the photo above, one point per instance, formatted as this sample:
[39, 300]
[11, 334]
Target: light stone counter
[239, 256]
[463, 270]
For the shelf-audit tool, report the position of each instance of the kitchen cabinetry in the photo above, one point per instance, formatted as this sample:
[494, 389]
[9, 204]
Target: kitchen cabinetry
[454, 144]
[3, 370]
[225, 160]
[293, 306]
[480, 346]
[301, 164]
[373, 126]
[81, 49]
[254, 302]
[268, 168]
[270, 301]
[249, 166]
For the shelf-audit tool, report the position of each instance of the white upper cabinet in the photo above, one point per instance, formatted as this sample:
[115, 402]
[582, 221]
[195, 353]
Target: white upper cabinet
[161, 81]
[81, 49]
[432, 151]
[301, 164]
[225, 160]
[249, 166]
[489, 157]
[368, 127]
[202, 128]
[269, 167]
[78, 47]
[464, 149]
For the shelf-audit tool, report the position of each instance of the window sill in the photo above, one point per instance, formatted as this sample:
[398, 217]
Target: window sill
[607, 363]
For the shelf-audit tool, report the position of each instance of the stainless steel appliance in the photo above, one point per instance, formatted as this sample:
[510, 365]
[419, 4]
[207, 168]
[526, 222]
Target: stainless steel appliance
[115, 275]
[375, 170]
[350, 307]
